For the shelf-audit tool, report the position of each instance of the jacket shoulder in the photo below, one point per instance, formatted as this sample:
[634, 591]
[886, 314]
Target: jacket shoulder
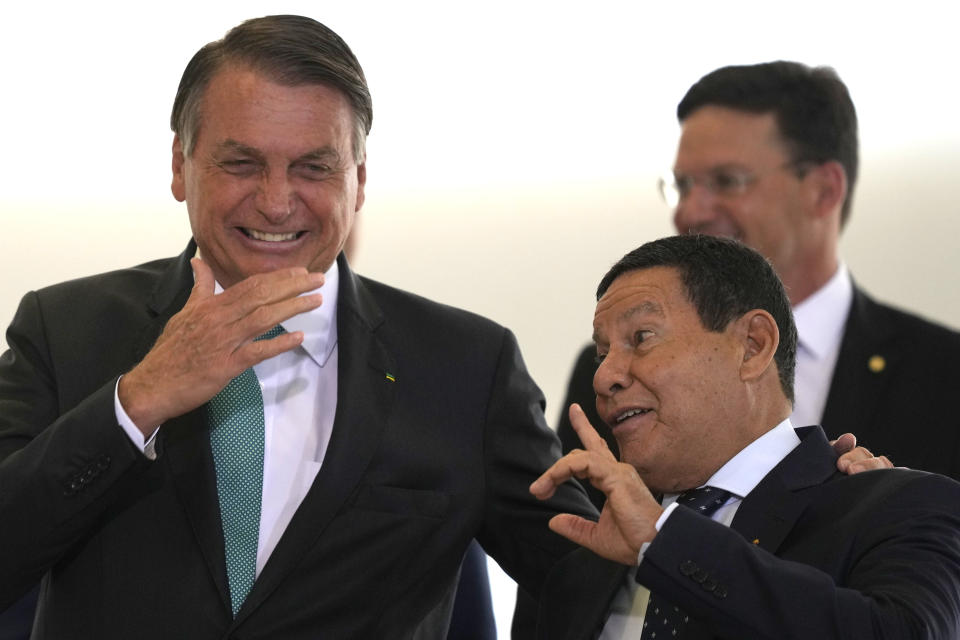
[867, 311]
[403, 306]
[132, 282]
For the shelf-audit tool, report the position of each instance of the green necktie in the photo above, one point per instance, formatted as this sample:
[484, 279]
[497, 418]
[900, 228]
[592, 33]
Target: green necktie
[236, 437]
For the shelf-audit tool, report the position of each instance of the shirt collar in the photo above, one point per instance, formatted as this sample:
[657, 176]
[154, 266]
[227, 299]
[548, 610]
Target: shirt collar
[744, 471]
[319, 325]
[821, 317]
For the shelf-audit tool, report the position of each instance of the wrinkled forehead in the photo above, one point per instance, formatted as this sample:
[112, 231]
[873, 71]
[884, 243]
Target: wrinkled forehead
[653, 292]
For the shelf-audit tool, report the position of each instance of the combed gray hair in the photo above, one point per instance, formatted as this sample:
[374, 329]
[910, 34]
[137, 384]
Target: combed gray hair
[291, 50]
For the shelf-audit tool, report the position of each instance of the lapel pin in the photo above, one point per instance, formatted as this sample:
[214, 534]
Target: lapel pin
[756, 541]
[390, 377]
[876, 364]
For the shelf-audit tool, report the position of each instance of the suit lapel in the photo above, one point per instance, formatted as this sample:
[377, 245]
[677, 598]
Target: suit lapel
[183, 443]
[365, 397]
[862, 370]
[186, 450]
[768, 514]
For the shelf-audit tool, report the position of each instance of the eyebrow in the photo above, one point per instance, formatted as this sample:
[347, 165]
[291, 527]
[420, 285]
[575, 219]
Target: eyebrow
[323, 153]
[725, 166]
[232, 145]
[647, 307]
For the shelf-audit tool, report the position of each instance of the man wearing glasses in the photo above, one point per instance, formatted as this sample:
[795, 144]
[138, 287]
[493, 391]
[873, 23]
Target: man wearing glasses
[768, 155]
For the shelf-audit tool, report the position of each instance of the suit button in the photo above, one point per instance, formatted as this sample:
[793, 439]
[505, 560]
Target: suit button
[709, 585]
[87, 476]
[687, 567]
[720, 591]
[699, 576]
[103, 462]
[75, 485]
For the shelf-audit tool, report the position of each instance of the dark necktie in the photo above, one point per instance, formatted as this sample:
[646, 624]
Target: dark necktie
[237, 441]
[663, 619]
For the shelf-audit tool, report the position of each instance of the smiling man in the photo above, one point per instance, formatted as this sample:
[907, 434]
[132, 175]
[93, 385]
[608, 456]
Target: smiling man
[250, 440]
[757, 534]
[768, 154]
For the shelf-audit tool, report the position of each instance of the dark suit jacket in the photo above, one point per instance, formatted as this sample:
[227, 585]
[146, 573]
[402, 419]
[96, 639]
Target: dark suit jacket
[903, 407]
[811, 553]
[417, 466]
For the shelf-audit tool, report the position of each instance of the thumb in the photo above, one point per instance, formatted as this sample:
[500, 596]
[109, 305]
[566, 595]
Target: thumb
[573, 528]
[203, 280]
[843, 444]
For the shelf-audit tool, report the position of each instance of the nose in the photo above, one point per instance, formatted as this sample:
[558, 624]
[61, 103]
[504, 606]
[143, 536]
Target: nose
[695, 210]
[275, 197]
[613, 373]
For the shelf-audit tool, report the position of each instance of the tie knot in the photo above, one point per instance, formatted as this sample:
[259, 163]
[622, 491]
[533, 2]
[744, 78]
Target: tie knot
[704, 500]
[272, 333]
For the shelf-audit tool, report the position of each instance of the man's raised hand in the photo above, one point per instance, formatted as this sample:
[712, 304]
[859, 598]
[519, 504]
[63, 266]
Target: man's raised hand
[630, 512]
[211, 340]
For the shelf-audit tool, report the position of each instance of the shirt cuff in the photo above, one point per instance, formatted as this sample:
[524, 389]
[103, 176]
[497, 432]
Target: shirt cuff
[657, 525]
[147, 447]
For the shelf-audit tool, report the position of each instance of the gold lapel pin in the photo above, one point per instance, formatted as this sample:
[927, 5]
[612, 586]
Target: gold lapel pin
[756, 541]
[390, 377]
[876, 364]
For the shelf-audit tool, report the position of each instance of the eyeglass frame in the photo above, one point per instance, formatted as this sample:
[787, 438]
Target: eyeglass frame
[672, 193]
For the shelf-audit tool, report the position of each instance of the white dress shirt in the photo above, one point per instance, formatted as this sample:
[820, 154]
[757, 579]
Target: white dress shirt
[820, 319]
[299, 404]
[740, 475]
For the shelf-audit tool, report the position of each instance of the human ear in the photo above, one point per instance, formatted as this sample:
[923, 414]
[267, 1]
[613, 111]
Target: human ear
[760, 340]
[828, 182]
[361, 183]
[177, 184]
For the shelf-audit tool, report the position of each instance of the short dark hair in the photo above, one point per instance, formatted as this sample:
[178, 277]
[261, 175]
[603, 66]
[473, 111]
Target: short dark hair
[723, 279]
[812, 107]
[291, 50]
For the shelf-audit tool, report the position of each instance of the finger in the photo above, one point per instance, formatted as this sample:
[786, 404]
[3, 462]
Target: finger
[856, 455]
[844, 443]
[869, 464]
[592, 441]
[558, 473]
[261, 319]
[590, 465]
[257, 351]
[268, 288]
[203, 280]
[574, 528]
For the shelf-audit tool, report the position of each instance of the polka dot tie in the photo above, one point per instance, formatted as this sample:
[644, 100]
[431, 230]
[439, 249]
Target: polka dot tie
[236, 438]
[663, 620]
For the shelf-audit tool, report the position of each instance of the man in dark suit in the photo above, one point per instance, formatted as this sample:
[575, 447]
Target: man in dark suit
[158, 494]
[697, 347]
[768, 154]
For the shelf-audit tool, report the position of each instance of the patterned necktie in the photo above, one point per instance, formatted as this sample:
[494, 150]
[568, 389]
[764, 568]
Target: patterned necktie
[236, 438]
[664, 620]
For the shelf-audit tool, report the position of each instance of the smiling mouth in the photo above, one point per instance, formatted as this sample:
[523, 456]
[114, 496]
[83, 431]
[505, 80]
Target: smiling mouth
[263, 236]
[626, 415]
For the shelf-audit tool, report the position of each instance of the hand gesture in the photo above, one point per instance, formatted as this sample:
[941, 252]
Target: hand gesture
[211, 341]
[628, 516]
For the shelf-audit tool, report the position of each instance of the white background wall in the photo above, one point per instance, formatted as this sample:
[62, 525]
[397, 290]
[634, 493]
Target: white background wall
[514, 150]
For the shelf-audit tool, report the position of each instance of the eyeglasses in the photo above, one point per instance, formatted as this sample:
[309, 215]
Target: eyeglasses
[725, 182]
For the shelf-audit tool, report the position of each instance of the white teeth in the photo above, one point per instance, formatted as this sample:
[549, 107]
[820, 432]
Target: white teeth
[631, 413]
[271, 237]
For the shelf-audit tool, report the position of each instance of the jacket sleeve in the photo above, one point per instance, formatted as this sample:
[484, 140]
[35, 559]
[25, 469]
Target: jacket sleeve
[898, 574]
[57, 470]
[519, 447]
